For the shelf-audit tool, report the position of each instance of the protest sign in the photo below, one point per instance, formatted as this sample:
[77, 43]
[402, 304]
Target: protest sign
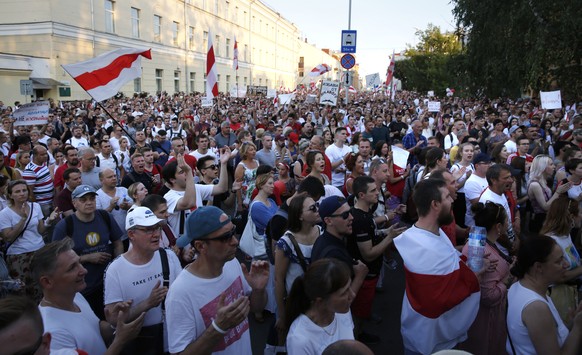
[207, 102]
[551, 99]
[399, 156]
[431, 93]
[329, 93]
[434, 106]
[284, 99]
[35, 113]
[373, 80]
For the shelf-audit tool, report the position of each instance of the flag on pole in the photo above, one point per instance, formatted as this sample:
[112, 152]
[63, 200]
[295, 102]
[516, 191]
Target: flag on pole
[390, 71]
[319, 70]
[235, 55]
[211, 84]
[104, 75]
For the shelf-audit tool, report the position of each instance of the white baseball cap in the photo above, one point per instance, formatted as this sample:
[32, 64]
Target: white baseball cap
[141, 216]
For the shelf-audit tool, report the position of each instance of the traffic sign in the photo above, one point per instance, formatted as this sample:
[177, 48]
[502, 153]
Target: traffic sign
[348, 61]
[349, 41]
[26, 87]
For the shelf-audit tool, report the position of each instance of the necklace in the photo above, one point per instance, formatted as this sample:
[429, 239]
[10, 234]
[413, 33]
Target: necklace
[54, 305]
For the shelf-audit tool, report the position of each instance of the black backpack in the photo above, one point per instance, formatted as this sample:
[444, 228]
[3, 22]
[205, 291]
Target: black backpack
[69, 222]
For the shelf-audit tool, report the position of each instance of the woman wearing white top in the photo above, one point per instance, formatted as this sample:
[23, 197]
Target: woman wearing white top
[461, 170]
[533, 323]
[122, 154]
[302, 227]
[318, 307]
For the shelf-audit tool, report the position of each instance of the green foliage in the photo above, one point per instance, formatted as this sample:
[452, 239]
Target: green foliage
[433, 41]
[517, 46]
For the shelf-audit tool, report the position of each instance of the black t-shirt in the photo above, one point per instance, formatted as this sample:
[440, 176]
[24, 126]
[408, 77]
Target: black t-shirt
[396, 128]
[328, 246]
[363, 230]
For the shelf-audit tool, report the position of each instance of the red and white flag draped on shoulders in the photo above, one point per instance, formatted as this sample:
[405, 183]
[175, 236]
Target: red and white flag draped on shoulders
[103, 76]
[442, 294]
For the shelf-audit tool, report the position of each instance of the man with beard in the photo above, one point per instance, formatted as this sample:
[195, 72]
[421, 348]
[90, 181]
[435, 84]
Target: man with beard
[72, 156]
[442, 294]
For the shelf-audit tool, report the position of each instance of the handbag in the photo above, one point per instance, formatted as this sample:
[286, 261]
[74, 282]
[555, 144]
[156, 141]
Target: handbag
[251, 243]
[8, 245]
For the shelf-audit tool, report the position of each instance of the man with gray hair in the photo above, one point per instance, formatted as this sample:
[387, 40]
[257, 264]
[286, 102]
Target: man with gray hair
[225, 136]
[89, 172]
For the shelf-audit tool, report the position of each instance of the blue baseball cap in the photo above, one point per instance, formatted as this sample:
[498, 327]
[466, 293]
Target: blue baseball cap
[200, 223]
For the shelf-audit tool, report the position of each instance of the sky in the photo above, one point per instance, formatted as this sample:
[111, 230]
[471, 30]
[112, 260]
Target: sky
[382, 25]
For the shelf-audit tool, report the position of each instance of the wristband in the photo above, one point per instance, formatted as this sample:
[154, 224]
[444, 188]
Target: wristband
[217, 328]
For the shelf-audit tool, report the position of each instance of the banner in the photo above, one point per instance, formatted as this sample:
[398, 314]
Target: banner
[431, 93]
[256, 90]
[35, 113]
[271, 92]
[207, 102]
[434, 106]
[551, 99]
[329, 93]
[284, 99]
[240, 92]
[311, 99]
[373, 80]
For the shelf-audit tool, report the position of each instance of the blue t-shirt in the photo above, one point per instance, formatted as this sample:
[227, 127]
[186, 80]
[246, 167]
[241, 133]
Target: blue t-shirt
[91, 237]
[261, 214]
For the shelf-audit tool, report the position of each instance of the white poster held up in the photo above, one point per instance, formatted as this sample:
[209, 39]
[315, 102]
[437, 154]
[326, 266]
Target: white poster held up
[35, 113]
[271, 93]
[284, 99]
[373, 80]
[434, 106]
[551, 99]
[206, 102]
[329, 93]
[431, 93]
[400, 156]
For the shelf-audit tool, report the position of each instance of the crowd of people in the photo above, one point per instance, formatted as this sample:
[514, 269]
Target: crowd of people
[120, 224]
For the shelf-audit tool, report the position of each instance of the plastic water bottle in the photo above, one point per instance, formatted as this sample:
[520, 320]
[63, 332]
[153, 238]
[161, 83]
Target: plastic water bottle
[477, 240]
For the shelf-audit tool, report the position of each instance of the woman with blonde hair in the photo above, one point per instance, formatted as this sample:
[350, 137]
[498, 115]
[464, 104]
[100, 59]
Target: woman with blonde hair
[137, 191]
[462, 170]
[540, 194]
[22, 160]
[122, 154]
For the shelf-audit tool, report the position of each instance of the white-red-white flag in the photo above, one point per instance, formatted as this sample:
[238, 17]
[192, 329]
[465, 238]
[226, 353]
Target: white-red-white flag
[104, 75]
[235, 55]
[211, 84]
[319, 70]
[390, 71]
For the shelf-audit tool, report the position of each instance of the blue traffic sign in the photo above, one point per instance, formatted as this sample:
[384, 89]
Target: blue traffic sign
[348, 61]
[349, 41]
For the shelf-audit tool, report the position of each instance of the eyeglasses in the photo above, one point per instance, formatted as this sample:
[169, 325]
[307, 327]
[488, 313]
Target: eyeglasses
[150, 230]
[344, 215]
[314, 207]
[213, 166]
[226, 237]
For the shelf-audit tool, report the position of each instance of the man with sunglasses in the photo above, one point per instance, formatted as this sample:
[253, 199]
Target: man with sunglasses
[208, 171]
[337, 217]
[138, 275]
[209, 302]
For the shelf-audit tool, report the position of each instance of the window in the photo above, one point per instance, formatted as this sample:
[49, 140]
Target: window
[159, 78]
[226, 8]
[135, 22]
[204, 4]
[228, 83]
[246, 53]
[205, 41]
[217, 46]
[191, 37]
[218, 81]
[192, 81]
[245, 18]
[204, 83]
[235, 15]
[245, 81]
[227, 54]
[137, 85]
[157, 28]
[109, 16]
[175, 32]
[176, 81]
[216, 7]
[260, 81]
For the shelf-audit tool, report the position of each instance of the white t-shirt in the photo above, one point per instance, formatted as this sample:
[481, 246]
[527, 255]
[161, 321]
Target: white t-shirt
[458, 166]
[306, 337]
[574, 192]
[191, 305]
[203, 193]
[103, 201]
[473, 189]
[196, 154]
[334, 153]
[489, 195]
[105, 163]
[126, 281]
[510, 146]
[72, 330]
[451, 140]
[30, 240]
[78, 142]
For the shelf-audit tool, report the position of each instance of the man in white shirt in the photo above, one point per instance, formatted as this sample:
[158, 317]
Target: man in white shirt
[476, 184]
[202, 142]
[511, 144]
[77, 140]
[107, 160]
[451, 139]
[337, 154]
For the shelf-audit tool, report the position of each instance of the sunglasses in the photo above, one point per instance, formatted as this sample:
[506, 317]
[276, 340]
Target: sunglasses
[314, 207]
[226, 237]
[213, 166]
[343, 215]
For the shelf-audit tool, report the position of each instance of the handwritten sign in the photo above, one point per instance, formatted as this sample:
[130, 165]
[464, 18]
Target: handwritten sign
[329, 93]
[551, 99]
[206, 102]
[35, 113]
[434, 106]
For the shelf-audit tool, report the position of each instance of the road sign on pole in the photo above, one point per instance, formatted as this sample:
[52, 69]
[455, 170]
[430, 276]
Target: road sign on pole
[349, 41]
[348, 61]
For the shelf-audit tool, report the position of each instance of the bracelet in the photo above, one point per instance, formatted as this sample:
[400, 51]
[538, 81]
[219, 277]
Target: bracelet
[386, 216]
[217, 328]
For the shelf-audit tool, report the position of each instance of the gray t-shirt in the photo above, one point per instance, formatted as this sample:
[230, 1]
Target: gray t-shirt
[91, 178]
[266, 158]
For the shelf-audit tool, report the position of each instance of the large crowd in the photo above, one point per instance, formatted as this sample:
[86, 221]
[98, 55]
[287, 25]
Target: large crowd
[152, 224]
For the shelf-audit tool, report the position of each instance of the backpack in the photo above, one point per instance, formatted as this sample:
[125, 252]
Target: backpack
[98, 162]
[69, 222]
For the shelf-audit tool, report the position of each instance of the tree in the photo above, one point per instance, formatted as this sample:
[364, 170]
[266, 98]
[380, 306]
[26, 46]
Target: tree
[515, 46]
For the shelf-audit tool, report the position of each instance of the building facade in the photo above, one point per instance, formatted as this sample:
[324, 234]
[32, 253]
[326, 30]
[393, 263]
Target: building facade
[38, 36]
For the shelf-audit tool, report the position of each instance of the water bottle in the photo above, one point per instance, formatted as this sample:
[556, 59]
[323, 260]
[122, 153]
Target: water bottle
[477, 240]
